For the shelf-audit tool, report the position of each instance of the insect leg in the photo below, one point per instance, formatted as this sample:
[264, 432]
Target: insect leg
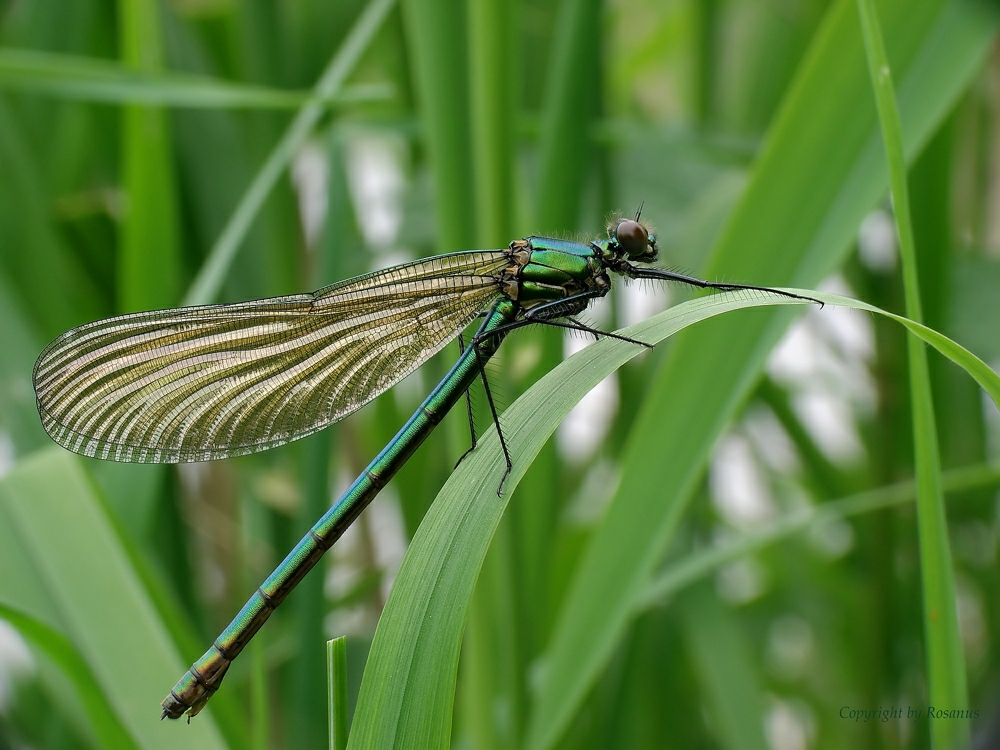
[468, 407]
[635, 272]
[576, 325]
[496, 417]
[547, 313]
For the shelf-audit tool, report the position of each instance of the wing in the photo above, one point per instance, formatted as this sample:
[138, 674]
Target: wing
[201, 383]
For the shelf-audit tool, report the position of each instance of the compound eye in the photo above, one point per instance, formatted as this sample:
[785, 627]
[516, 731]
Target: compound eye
[632, 238]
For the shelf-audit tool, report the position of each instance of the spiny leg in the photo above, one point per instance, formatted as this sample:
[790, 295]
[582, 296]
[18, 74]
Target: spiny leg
[496, 417]
[547, 312]
[596, 332]
[468, 407]
[574, 325]
[540, 314]
[636, 272]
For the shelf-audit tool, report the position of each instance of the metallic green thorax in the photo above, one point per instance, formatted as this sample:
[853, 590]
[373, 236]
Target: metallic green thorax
[547, 269]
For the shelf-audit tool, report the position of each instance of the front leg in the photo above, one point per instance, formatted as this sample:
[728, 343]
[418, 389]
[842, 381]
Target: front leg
[468, 405]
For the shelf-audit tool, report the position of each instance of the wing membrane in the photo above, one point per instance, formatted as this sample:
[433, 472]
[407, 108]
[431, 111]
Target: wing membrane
[201, 383]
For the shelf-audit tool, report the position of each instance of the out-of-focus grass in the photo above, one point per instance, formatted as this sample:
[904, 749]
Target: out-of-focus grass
[946, 673]
[144, 149]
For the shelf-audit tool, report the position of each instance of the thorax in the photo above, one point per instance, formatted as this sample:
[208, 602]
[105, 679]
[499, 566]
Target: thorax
[547, 269]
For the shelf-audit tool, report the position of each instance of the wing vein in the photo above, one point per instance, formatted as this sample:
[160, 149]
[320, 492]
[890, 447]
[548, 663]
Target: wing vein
[208, 382]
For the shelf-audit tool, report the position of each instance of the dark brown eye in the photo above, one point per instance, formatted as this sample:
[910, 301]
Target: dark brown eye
[632, 238]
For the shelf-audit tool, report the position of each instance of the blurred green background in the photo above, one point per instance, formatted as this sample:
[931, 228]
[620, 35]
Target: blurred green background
[160, 153]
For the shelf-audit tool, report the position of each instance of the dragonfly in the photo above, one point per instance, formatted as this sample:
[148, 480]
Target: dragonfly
[216, 381]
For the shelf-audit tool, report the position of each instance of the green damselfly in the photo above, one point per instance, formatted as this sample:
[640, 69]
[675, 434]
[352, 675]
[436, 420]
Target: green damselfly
[209, 382]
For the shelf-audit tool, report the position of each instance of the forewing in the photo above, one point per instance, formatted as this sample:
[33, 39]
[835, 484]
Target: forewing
[201, 383]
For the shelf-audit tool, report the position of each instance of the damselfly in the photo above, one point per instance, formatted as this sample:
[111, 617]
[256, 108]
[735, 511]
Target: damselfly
[201, 383]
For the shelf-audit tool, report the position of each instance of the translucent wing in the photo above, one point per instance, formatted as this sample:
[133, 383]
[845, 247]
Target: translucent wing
[200, 383]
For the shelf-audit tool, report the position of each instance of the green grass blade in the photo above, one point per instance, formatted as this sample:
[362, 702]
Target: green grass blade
[92, 79]
[493, 104]
[408, 687]
[437, 32]
[148, 265]
[57, 647]
[88, 587]
[260, 699]
[946, 677]
[572, 105]
[336, 674]
[207, 283]
[819, 173]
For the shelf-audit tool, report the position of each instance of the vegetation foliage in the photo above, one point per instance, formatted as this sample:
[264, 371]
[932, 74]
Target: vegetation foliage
[723, 551]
